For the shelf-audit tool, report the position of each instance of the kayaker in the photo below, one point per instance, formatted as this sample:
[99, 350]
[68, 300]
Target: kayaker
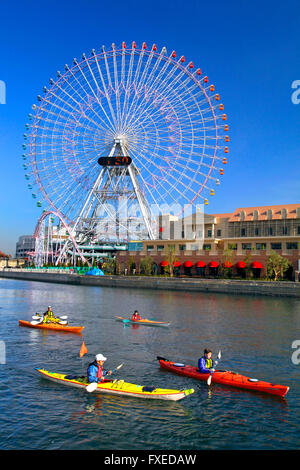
[95, 371]
[206, 363]
[48, 316]
[136, 316]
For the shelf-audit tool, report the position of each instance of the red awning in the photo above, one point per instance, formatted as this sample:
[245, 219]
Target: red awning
[187, 264]
[256, 265]
[164, 264]
[200, 264]
[176, 264]
[241, 264]
[227, 264]
[213, 264]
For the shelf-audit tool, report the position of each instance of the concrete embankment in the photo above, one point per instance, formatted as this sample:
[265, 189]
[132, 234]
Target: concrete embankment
[251, 287]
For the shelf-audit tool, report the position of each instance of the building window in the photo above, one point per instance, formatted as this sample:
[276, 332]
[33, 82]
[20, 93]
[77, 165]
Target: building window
[256, 231]
[260, 246]
[150, 247]
[246, 246]
[160, 247]
[270, 230]
[206, 247]
[298, 230]
[219, 232]
[232, 246]
[135, 246]
[284, 230]
[209, 233]
[182, 247]
[243, 232]
[275, 246]
[292, 246]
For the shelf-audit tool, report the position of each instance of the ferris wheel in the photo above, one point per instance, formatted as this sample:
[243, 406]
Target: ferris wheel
[121, 132]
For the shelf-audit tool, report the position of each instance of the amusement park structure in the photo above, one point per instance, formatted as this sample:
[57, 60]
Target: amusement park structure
[119, 138]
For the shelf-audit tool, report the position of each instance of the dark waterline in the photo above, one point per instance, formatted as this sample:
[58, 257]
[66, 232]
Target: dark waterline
[255, 335]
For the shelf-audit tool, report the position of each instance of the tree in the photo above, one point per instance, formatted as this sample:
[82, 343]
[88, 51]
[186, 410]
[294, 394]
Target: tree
[277, 265]
[228, 261]
[146, 265]
[170, 258]
[131, 264]
[109, 266]
[248, 270]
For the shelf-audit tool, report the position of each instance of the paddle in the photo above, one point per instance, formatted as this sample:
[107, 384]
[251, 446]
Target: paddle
[209, 378]
[93, 385]
[38, 318]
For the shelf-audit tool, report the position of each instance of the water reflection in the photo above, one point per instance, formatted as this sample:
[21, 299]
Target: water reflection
[254, 334]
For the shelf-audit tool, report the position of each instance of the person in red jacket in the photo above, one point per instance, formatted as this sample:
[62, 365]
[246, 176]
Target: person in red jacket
[136, 316]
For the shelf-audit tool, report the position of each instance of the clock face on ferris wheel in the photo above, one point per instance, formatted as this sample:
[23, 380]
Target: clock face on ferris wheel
[164, 109]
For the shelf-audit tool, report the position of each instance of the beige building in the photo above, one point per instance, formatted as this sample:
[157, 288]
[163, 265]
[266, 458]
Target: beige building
[252, 233]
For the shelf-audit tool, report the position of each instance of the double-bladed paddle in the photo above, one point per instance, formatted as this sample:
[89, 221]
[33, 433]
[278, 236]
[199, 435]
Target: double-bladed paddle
[93, 385]
[209, 378]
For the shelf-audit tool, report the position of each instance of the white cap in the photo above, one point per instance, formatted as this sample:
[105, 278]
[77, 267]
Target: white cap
[100, 357]
[49, 306]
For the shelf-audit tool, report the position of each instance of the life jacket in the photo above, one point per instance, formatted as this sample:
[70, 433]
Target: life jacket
[99, 372]
[208, 363]
[49, 317]
[135, 317]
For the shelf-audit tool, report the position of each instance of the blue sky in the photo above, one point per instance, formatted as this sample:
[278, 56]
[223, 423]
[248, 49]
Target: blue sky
[249, 50]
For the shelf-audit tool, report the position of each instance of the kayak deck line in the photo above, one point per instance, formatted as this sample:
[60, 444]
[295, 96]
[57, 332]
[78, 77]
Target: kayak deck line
[52, 326]
[225, 377]
[118, 387]
[144, 321]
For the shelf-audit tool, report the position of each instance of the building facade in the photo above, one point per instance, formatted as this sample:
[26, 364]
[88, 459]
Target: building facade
[25, 244]
[243, 238]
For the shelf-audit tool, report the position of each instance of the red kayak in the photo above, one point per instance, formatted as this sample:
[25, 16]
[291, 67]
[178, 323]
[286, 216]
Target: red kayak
[225, 377]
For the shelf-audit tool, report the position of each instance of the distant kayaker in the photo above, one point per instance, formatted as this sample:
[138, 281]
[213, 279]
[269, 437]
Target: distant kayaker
[95, 371]
[136, 316]
[206, 363]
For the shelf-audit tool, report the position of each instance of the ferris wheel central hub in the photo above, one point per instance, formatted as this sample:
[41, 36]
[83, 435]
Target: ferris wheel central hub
[121, 139]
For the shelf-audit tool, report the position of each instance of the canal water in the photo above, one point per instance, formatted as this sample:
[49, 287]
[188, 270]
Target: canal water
[255, 335]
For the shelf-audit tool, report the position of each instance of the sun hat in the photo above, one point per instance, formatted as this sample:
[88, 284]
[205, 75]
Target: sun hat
[100, 357]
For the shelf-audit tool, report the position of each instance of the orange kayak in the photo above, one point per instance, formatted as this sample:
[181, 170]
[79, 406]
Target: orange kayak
[225, 377]
[52, 326]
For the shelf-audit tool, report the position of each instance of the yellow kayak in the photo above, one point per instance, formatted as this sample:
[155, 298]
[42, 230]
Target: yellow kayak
[143, 321]
[118, 387]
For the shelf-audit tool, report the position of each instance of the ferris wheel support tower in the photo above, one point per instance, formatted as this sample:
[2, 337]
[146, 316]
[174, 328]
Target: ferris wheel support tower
[117, 180]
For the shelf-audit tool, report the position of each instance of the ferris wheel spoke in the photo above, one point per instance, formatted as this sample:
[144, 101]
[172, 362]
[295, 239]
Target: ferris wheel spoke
[117, 92]
[151, 75]
[163, 172]
[156, 182]
[72, 117]
[105, 90]
[142, 84]
[96, 98]
[112, 126]
[178, 172]
[162, 84]
[186, 167]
